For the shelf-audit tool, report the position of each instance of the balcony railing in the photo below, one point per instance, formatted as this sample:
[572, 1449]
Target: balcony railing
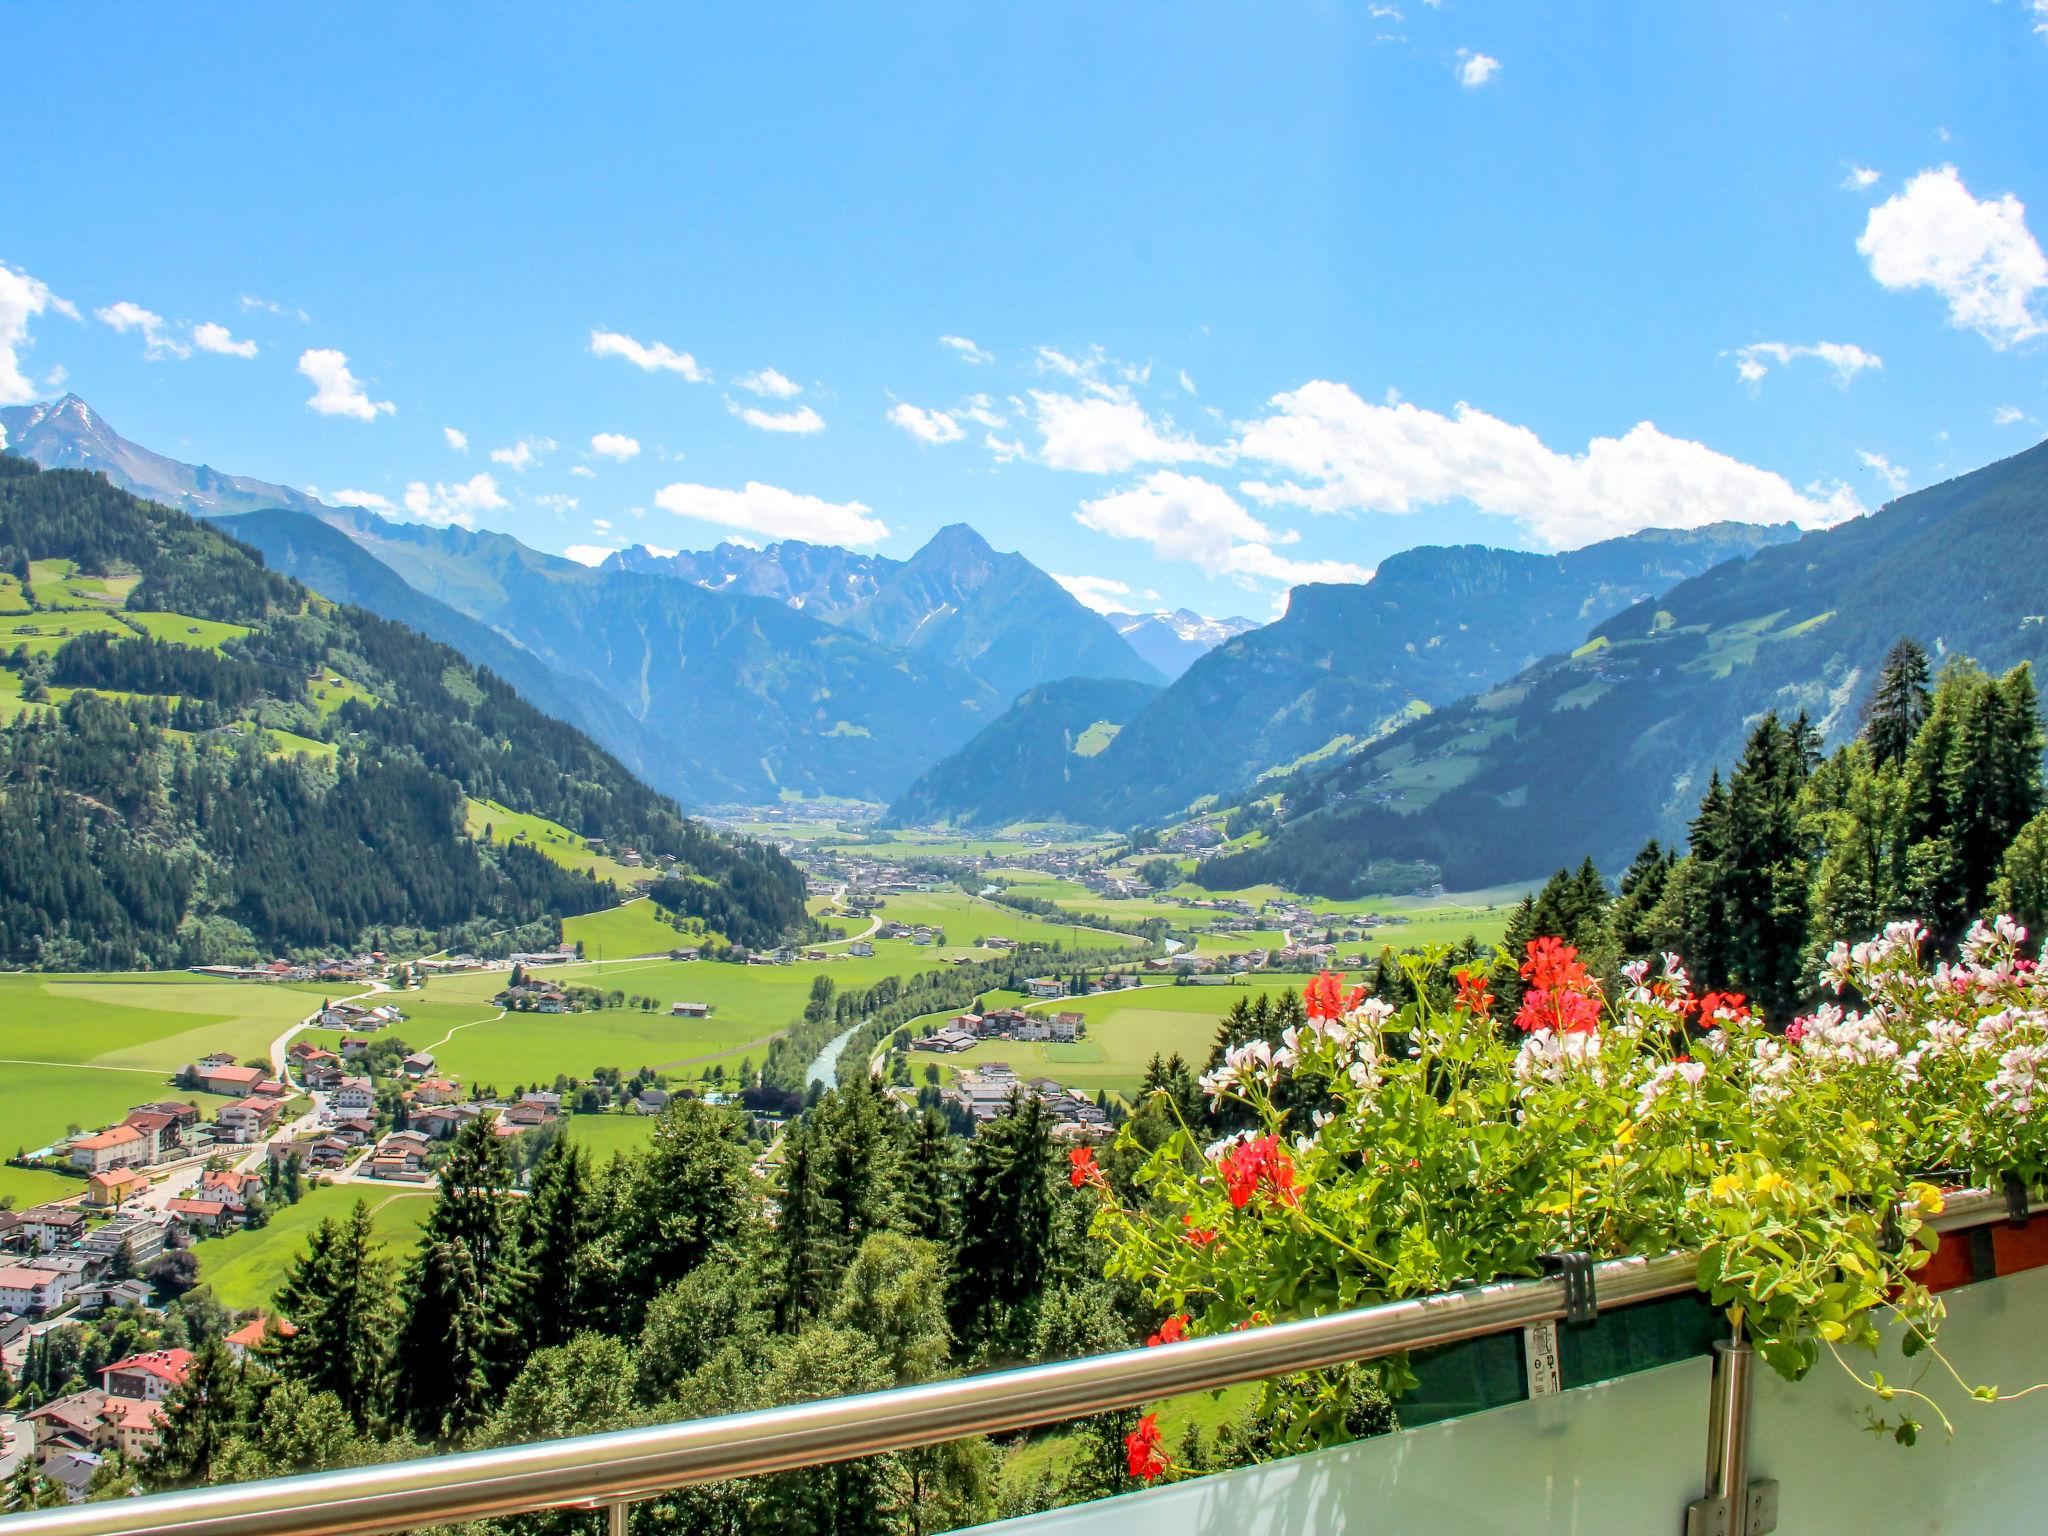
[613, 1470]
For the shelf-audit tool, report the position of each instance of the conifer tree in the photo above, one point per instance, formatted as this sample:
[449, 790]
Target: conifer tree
[1005, 1230]
[441, 1377]
[691, 1191]
[1899, 703]
[559, 1228]
[338, 1296]
[931, 1174]
[200, 1415]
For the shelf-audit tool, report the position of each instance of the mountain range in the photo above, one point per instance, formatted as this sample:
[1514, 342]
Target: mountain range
[1596, 748]
[1343, 667]
[207, 761]
[1175, 639]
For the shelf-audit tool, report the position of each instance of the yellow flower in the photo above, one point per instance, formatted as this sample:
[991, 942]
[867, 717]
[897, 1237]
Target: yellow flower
[1726, 1186]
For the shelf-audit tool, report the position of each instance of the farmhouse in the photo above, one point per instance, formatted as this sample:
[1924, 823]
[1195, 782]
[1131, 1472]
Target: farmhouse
[121, 1147]
[948, 1039]
[1045, 986]
[31, 1290]
[690, 1010]
[237, 1082]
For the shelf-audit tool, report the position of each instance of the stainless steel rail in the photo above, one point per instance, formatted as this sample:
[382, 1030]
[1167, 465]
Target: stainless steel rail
[618, 1467]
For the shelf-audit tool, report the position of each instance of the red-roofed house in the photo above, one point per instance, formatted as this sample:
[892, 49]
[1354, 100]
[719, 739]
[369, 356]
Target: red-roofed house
[147, 1377]
[131, 1425]
[239, 1082]
[104, 1191]
[212, 1215]
[232, 1189]
[248, 1122]
[121, 1147]
[252, 1334]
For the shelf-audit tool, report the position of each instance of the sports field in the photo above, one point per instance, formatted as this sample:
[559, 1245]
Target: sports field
[245, 1267]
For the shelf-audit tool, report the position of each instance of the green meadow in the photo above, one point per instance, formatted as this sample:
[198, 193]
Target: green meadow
[632, 928]
[244, 1268]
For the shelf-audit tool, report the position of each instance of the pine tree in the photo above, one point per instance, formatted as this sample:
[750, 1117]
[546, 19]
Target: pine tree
[338, 1295]
[1005, 1230]
[2021, 888]
[560, 1226]
[931, 1173]
[690, 1192]
[200, 1415]
[441, 1377]
[1898, 705]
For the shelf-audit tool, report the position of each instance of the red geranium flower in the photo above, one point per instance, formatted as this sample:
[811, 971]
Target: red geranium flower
[1554, 965]
[1201, 1237]
[1325, 997]
[1081, 1167]
[1172, 1331]
[1719, 1002]
[1252, 1164]
[1562, 996]
[1473, 996]
[1142, 1446]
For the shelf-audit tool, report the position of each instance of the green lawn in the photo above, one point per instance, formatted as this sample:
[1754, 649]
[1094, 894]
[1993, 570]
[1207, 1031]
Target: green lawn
[608, 1135]
[182, 629]
[551, 838]
[1125, 1031]
[629, 929]
[244, 1268]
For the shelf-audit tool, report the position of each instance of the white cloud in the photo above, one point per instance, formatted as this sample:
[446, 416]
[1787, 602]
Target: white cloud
[457, 439]
[524, 454]
[583, 471]
[774, 513]
[588, 554]
[1104, 433]
[336, 391]
[2006, 415]
[1341, 454]
[1861, 178]
[1005, 449]
[1190, 519]
[249, 301]
[368, 499]
[601, 524]
[459, 503]
[127, 316]
[2039, 8]
[615, 446]
[967, 350]
[21, 299]
[1104, 594]
[208, 336]
[766, 381]
[556, 502]
[1979, 256]
[1475, 69]
[1186, 383]
[1893, 475]
[649, 357]
[980, 410]
[926, 426]
[803, 420]
[1844, 357]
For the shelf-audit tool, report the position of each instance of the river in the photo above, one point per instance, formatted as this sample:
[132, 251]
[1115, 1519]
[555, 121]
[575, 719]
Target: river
[826, 1068]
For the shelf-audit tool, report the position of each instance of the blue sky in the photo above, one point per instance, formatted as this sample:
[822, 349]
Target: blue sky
[1254, 295]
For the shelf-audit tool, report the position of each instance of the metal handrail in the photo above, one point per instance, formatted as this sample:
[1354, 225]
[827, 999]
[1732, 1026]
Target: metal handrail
[624, 1465]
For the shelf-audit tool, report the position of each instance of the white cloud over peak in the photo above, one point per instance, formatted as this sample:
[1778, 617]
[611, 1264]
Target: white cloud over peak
[774, 513]
[1978, 255]
[157, 341]
[1475, 69]
[802, 421]
[369, 499]
[1893, 475]
[336, 391]
[768, 382]
[587, 554]
[649, 357]
[524, 454]
[459, 504]
[21, 299]
[931, 427]
[615, 446]
[1105, 432]
[209, 336]
[1844, 357]
[1860, 178]
[1189, 519]
[1105, 594]
[1342, 454]
[966, 350]
[457, 439]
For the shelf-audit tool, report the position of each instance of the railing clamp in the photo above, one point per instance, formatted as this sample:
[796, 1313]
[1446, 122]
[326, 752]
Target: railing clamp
[2019, 1205]
[1581, 1305]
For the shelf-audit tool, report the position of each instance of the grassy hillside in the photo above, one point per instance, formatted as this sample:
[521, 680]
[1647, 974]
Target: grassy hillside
[204, 761]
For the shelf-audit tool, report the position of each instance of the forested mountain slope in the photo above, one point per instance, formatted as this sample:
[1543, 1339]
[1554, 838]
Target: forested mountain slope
[1348, 663]
[1595, 750]
[1049, 735]
[204, 760]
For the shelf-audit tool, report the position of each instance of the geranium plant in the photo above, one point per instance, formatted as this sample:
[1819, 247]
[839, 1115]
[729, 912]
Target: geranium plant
[1397, 1153]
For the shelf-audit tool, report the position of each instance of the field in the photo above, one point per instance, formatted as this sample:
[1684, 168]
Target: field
[1125, 1031]
[83, 1050]
[608, 1135]
[551, 838]
[629, 929]
[244, 1268]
